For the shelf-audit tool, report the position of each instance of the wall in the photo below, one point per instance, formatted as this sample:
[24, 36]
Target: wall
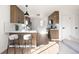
[4, 17]
[36, 23]
[68, 17]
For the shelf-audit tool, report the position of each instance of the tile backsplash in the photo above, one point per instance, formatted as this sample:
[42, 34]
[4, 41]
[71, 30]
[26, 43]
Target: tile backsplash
[9, 27]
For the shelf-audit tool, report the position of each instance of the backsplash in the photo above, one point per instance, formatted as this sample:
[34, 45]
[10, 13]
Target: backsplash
[9, 27]
[15, 27]
[53, 26]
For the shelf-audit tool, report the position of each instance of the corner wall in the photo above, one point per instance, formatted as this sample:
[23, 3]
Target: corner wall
[4, 17]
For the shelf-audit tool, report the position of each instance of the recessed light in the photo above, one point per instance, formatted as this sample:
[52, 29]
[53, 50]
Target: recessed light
[38, 14]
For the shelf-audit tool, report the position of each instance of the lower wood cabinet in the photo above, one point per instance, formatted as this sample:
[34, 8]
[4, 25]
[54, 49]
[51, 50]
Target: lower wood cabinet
[42, 39]
[34, 39]
[54, 34]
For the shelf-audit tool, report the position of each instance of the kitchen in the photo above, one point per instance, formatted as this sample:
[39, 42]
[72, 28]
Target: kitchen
[18, 26]
[41, 28]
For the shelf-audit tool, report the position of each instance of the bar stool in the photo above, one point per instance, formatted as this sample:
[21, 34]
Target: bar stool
[12, 38]
[28, 38]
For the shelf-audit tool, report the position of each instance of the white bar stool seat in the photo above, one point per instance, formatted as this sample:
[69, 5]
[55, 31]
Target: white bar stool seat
[27, 36]
[12, 37]
[28, 39]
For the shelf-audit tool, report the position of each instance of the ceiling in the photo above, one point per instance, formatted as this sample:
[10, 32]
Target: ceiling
[45, 10]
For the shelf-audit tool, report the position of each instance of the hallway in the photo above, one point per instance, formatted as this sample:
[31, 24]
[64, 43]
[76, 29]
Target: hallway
[64, 49]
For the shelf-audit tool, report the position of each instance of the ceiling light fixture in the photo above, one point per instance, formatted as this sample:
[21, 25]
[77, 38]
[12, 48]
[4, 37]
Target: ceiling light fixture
[26, 10]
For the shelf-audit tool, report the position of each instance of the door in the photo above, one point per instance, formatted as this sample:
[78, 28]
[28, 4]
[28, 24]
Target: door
[70, 27]
[66, 26]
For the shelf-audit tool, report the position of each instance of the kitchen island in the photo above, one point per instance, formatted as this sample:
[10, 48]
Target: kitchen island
[32, 32]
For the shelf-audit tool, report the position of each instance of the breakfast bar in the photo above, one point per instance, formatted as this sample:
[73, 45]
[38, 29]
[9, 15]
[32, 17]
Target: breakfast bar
[32, 32]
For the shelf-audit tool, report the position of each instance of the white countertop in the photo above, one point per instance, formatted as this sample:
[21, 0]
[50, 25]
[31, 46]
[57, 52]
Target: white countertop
[54, 29]
[31, 31]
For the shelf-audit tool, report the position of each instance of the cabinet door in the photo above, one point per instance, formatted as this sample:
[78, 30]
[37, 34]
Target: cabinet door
[42, 39]
[22, 17]
[56, 17]
[17, 16]
[54, 34]
[34, 39]
[13, 14]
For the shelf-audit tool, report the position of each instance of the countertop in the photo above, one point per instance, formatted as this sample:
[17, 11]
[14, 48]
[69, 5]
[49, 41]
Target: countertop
[54, 29]
[31, 31]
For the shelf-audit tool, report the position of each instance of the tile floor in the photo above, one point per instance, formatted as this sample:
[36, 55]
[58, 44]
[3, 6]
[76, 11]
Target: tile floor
[51, 48]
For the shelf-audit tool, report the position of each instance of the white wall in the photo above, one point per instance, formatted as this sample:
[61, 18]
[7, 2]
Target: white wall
[36, 23]
[69, 18]
[4, 17]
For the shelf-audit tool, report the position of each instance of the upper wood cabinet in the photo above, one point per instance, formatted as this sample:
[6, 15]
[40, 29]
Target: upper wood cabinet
[54, 17]
[17, 15]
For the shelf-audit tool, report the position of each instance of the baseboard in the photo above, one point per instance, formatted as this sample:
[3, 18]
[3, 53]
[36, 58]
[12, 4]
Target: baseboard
[4, 52]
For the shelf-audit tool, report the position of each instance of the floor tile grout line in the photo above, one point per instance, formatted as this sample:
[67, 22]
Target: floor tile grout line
[70, 47]
[46, 48]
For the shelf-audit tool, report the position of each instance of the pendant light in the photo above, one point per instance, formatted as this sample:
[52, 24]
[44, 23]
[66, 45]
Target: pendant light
[26, 13]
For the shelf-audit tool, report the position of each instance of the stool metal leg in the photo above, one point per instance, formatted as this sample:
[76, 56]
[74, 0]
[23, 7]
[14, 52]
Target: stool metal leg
[25, 45]
[19, 44]
[8, 46]
[22, 47]
[30, 45]
[14, 46]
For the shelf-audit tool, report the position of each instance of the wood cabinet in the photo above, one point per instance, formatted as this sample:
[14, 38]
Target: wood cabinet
[54, 17]
[17, 15]
[34, 39]
[42, 39]
[54, 34]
